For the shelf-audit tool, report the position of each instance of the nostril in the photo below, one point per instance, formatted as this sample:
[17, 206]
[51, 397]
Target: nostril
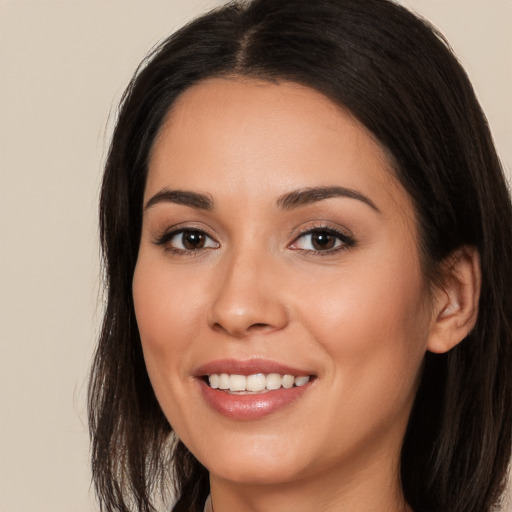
[258, 326]
[252, 328]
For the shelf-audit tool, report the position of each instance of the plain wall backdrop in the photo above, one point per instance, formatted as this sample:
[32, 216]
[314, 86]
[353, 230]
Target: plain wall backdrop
[63, 67]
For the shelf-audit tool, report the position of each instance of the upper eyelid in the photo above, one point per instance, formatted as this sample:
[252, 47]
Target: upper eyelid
[319, 226]
[166, 235]
[183, 226]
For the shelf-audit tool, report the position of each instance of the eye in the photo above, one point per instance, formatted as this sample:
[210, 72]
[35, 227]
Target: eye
[187, 240]
[322, 240]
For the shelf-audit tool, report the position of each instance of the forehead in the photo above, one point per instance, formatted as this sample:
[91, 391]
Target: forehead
[236, 138]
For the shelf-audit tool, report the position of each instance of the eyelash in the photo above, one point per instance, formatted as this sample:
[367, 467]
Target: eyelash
[346, 241]
[165, 239]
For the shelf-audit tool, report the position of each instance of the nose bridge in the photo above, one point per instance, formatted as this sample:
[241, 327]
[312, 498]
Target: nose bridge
[247, 295]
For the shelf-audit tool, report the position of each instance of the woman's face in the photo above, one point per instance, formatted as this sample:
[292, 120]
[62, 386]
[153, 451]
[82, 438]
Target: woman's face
[276, 240]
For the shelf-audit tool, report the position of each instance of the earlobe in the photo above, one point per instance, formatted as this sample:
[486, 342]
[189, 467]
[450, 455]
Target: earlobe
[456, 302]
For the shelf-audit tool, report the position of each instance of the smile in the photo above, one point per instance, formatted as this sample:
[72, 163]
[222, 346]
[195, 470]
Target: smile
[255, 383]
[252, 389]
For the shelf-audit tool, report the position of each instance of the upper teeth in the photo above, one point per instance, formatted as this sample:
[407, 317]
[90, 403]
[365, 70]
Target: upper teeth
[256, 382]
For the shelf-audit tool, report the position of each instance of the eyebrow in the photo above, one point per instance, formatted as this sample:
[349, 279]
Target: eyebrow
[288, 201]
[184, 197]
[307, 196]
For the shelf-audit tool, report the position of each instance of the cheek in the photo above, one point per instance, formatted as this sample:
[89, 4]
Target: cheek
[372, 324]
[164, 307]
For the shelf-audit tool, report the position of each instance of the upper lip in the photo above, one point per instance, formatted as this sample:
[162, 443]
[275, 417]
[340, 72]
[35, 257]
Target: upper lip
[248, 367]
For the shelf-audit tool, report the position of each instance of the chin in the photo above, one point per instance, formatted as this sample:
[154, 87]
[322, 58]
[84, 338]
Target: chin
[256, 472]
[256, 462]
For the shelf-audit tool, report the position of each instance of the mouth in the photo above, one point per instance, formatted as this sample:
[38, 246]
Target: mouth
[252, 389]
[256, 383]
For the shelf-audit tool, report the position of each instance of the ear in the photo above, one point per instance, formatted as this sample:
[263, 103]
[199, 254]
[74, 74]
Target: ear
[456, 301]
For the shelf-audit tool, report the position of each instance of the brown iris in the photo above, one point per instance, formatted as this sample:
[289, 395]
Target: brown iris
[193, 240]
[323, 240]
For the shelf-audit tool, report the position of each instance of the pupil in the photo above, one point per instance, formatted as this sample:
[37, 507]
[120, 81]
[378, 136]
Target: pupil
[323, 240]
[193, 240]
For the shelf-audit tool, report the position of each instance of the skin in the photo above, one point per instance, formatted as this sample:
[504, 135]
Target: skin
[358, 318]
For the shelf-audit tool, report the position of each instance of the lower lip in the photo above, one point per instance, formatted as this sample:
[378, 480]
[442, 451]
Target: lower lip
[253, 406]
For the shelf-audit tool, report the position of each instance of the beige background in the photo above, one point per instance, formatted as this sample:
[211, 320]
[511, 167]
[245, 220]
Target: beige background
[63, 66]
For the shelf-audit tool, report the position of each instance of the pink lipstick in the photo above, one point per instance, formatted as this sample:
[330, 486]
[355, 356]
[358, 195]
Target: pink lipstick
[251, 389]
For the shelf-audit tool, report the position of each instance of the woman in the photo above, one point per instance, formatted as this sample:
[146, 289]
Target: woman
[306, 233]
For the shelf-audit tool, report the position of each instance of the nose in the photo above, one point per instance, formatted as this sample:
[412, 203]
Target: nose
[248, 298]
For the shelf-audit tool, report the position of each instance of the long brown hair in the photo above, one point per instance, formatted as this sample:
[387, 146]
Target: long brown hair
[397, 75]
